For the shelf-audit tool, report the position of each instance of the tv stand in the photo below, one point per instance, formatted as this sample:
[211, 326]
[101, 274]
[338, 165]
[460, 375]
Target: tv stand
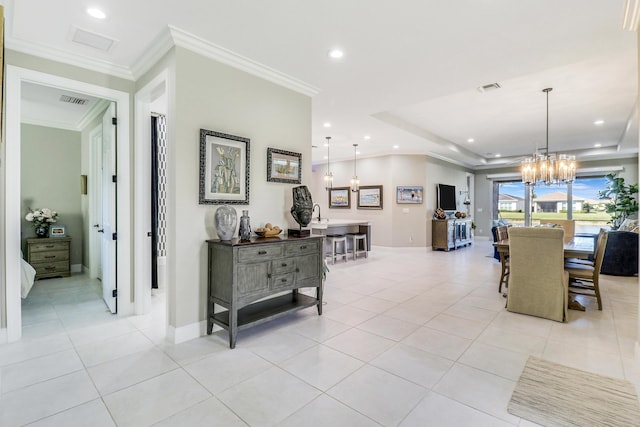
[450, 234]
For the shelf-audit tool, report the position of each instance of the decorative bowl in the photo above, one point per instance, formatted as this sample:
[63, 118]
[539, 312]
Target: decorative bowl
[267, 233]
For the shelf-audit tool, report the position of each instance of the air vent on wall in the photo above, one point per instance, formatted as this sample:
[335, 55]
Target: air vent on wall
[93, 40]
[487, 88]
[73, 100]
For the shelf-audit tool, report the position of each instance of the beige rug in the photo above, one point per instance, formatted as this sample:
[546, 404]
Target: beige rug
[555, 395]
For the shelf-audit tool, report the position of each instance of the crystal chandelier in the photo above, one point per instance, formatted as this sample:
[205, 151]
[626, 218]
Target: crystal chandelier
[548, 168]
[328, 176]
[355, 182]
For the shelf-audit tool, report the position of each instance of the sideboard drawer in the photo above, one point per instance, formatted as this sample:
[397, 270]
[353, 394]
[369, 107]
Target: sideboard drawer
[52, 256]
[48, 246]
[259, 253]
[304, 247]
[51, 267]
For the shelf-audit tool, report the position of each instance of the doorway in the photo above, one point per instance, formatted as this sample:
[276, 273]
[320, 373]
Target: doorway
[11, 214]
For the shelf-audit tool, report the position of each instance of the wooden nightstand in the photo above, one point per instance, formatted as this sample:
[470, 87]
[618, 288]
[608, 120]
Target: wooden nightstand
[51, 257]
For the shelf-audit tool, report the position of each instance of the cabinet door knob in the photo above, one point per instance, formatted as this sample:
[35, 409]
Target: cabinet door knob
[262, 252]
[303, 247]
[284, 264]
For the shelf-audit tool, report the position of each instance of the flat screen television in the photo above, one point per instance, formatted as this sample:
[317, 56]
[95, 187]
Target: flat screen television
[447, 197]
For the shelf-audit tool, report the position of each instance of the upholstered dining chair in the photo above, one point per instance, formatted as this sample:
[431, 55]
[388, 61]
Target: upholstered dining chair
[584, 279]
[538, 284]
[568, 225]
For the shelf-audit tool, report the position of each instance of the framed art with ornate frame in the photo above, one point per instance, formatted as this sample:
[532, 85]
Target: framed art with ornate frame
[284, 166]
[224, 168]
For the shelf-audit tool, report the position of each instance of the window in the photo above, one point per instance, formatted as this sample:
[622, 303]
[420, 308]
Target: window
[549, 202]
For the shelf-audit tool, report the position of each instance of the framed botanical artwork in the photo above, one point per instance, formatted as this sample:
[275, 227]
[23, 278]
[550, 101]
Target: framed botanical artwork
[284, 166]
[370, 197]
[409, 194]
[340, 197]
[57, 231]
[224, 168]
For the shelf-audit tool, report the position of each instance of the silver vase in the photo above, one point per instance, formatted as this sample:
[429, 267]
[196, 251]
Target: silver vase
[226, 219]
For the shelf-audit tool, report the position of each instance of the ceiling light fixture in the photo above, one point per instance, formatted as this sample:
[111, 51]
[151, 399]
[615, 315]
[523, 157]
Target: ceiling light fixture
[598, 122]
[96, 13]
[367, 137]
[336, 53]
[470, 140]
[326, 124]
[328, 176]
[395, 147]
[548, 168]
[355, 182]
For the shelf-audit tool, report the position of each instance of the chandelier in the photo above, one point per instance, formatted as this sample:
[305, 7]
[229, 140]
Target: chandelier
[355, 182]
[548, 168]
[328, 176]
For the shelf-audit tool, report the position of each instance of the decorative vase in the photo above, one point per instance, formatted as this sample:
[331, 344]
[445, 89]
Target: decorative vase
[42, 231]
[245, 227]
[226, 219]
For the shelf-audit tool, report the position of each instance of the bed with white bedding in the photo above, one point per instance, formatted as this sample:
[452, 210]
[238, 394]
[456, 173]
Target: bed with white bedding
[28, 275]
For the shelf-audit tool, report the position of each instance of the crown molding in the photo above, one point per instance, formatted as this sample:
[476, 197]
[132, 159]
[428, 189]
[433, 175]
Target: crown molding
[59, 55]
[205, 48]
[631, 15]
[97, 110]
[152, 54]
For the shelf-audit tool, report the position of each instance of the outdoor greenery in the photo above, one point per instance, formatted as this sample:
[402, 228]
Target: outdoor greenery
[578, 216]
[622, 200]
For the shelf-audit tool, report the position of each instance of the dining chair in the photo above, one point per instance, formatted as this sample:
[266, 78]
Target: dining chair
[568, 225]
[584, 279]
[502, 233]
[538, 283]
[587, 261]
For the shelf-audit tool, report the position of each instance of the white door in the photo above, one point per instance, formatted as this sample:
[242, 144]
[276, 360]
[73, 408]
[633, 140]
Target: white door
[109, 229]
[95, 200]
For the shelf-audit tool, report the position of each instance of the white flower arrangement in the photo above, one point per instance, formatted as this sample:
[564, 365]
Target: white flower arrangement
[41, 217]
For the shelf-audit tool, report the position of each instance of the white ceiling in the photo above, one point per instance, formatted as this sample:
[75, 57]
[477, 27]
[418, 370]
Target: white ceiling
[410, 72]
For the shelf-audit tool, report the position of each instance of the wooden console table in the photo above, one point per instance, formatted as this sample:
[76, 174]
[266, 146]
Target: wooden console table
[241, 273]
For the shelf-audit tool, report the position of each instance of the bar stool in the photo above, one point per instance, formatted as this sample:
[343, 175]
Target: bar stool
[356, 238]
[334, 240]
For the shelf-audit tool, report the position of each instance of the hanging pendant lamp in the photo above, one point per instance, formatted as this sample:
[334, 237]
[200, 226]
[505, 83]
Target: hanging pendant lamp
[355, 182]
[328, 176]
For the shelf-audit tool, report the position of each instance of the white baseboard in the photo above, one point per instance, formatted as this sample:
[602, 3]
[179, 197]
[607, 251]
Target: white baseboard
[4, 336]
[187, 332]
[76, 268]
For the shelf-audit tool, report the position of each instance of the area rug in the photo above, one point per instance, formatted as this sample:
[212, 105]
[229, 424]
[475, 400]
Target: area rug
[555, 395]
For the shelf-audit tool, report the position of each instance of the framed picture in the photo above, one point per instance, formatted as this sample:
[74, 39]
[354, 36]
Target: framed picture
[340, 198]
[57, 231]
[284, 166]
[224, 168]
[370, 197]
[409, 194]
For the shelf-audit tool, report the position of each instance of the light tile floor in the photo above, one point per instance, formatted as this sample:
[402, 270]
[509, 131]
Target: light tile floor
[409, 337]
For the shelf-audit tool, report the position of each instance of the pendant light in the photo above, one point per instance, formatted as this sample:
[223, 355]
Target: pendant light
[328, 176]
[355, 182]
[548, 168]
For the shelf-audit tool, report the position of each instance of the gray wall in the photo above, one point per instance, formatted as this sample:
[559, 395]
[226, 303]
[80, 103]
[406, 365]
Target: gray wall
[217, 97]
[50, 178]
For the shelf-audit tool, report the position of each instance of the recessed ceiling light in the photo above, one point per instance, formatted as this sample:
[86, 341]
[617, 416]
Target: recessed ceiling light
[357, 152]
[96, 13]
[498, 155]
[597, 145]
[336, 53]
[325, 157]
[470, 140]
[598, 122]
[367, 137]
[326, 124]
[326, 144]
[395, 147]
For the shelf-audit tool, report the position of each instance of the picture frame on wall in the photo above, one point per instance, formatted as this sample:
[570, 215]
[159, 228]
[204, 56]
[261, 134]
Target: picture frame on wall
[370, 197]
[410, 194]
[57, 231]
[224, 168]
[340, 198]
[284, 166]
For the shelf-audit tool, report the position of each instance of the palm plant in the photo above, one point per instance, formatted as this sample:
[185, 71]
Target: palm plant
[622, 200]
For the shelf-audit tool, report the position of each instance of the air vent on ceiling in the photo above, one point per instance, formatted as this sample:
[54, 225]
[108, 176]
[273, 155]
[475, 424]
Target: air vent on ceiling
[94, 40]
[73, 100]
[487, 88]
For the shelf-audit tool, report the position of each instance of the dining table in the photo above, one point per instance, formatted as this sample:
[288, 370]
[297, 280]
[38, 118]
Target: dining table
[578, 247]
